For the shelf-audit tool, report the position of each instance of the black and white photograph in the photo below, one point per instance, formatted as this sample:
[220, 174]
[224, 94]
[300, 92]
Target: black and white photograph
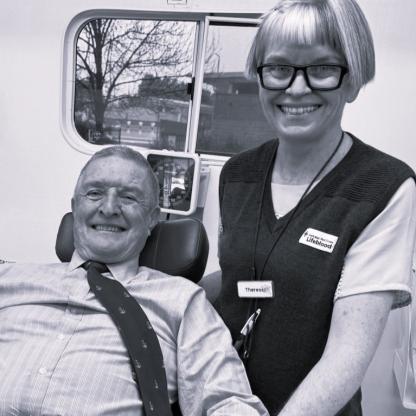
[208, 208]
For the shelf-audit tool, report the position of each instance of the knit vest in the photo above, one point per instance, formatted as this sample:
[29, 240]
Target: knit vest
[292, 330]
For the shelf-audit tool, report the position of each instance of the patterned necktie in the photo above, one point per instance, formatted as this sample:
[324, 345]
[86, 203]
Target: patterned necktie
[139, 337]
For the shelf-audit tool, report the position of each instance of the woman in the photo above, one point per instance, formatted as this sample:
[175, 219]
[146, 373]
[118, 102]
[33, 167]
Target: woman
[317, 227]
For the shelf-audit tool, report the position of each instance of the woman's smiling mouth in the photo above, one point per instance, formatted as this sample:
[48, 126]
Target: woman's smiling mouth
[297, 110]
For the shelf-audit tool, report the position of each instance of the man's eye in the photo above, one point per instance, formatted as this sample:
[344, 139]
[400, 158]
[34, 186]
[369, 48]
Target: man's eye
[94, 194]
[129, 198]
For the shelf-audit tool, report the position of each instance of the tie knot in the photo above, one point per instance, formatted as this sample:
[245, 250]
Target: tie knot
[100, 267]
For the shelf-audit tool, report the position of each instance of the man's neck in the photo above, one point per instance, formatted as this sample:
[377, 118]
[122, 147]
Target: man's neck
[124, 270]
[120, 271]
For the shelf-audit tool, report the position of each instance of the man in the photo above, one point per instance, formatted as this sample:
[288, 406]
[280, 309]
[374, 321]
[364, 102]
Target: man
[60, 351]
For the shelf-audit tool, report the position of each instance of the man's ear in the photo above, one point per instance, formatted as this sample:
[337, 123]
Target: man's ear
[154, 218]
[72, 204]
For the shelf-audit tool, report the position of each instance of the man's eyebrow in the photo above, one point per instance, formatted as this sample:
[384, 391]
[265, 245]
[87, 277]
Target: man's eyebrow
[89, 183]
[124, 188]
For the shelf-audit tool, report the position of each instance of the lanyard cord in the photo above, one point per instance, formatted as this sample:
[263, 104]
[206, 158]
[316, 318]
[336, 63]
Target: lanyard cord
[254, 304]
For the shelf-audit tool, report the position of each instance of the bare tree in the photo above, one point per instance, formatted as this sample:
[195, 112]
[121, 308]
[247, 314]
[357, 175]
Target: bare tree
[114, 55]
[212, 60]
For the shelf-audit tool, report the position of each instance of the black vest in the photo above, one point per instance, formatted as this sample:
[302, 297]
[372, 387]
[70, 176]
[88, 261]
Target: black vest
[293, 327]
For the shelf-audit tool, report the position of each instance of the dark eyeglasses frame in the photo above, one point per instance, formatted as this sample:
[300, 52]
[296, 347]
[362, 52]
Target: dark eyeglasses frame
[344, 70]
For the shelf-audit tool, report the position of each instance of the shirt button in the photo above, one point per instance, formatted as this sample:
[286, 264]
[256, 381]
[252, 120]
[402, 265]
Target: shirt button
[43, 370]
[61, 336]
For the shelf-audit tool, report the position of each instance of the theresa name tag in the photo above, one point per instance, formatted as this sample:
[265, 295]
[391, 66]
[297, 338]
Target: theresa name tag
[255, 289]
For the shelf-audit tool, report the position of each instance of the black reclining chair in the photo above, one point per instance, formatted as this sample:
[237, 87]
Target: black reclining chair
[177, 247]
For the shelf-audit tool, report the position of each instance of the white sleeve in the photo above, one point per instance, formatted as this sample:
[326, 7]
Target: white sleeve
[381, 257]
[211, 378]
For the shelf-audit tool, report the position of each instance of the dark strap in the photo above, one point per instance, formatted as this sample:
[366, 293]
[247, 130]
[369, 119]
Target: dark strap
[139, 337]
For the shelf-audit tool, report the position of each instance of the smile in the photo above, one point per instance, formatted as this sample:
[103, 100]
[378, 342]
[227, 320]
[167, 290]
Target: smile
[111, 228]
[297, 111]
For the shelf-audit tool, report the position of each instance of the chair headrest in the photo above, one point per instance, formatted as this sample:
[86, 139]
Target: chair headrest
[176, 247]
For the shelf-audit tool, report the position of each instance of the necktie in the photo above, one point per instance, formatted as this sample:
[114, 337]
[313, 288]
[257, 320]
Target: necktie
[139, 337]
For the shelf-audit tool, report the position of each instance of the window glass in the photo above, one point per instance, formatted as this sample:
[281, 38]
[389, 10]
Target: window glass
[230, 118]
[131, 84]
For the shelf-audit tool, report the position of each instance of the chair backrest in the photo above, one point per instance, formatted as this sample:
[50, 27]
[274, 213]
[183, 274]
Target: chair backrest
[177, 247]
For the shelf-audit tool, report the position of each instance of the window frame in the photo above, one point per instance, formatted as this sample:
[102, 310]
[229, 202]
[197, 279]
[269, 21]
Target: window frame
[203, 23]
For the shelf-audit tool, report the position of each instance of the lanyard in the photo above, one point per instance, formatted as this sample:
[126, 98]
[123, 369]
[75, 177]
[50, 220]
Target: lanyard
[244, 342]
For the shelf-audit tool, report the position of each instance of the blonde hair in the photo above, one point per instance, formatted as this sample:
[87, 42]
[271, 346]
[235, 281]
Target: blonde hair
[338, 23]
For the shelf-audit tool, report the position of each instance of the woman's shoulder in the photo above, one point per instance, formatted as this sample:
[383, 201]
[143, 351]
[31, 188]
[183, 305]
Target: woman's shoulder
[374, 159]
[368, 174]
[251, 161]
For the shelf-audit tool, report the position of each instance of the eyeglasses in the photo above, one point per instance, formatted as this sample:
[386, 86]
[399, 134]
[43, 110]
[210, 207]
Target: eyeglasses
[317, 77]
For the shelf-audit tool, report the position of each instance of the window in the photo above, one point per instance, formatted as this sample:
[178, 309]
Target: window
[161, 82]
[131, 82]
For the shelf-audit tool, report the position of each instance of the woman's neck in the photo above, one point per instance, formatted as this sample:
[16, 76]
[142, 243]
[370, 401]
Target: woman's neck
[298, 163]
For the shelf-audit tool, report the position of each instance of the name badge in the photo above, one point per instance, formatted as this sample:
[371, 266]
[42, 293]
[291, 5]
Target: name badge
[255, 289]
[319, 240]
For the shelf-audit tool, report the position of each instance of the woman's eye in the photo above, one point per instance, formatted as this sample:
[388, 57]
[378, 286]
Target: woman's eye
[324, 69]
[284, 69]
[279, 71]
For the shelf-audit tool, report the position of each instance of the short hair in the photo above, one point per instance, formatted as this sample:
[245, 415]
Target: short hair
[338, 23]
[126, 153]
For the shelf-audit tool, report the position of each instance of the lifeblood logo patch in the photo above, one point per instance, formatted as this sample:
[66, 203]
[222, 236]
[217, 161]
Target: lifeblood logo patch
[319, 240]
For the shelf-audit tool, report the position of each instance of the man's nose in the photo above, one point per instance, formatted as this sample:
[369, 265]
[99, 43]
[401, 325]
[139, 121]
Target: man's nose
[110, 204]
[299, 85]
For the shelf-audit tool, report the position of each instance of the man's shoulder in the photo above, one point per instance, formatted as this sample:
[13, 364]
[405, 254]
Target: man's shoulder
[7, 267]
[168, 280]
[170, 295]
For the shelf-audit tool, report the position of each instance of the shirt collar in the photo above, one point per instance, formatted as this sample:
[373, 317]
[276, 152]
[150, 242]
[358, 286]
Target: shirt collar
[120, 271]
[76, 261]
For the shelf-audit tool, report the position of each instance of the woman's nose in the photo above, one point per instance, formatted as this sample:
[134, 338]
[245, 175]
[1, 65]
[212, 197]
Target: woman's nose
[299, 86]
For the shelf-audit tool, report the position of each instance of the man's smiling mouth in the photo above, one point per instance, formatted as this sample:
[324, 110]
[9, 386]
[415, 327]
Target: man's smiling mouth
[298, 110]
[110, 228]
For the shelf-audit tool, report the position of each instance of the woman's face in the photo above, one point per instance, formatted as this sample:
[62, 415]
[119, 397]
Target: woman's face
[299, 112]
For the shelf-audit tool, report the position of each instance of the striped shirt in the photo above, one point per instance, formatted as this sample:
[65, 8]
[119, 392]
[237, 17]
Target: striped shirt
[60, 353]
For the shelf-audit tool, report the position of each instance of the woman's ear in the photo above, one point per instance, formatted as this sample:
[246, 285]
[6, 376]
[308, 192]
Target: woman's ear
[352, 91]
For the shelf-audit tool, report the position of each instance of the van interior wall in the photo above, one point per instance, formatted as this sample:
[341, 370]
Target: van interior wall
[383, 116]
[38, 168]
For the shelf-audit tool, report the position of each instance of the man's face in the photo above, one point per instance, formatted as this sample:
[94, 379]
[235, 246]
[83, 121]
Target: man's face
[113, 210]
